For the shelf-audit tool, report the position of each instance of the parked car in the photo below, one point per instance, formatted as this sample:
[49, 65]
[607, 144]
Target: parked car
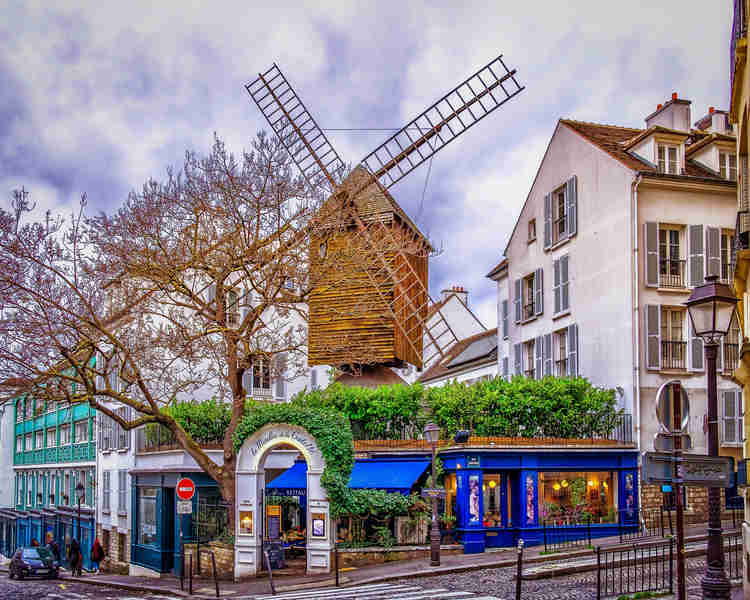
[33, 561]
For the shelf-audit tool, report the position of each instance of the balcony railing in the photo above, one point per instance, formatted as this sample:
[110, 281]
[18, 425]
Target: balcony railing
[726, 273]
[528, 311]
[731, 357]
[673, 355]
[672, 273]
[156, 438]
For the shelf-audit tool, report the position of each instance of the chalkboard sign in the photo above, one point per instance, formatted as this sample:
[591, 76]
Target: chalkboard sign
[273, 523]
[275, 555]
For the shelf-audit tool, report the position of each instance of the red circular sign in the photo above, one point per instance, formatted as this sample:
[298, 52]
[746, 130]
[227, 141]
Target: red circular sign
[185, 488]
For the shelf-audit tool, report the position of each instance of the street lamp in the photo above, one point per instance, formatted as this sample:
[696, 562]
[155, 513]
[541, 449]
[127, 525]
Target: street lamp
[431, 434]
[80, 494]
[711, 307]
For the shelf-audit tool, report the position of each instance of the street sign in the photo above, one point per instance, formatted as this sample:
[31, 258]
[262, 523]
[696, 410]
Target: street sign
[433, 493]
[184, 507]
[185, 489]
[692, 469]
[668, 394]
[664, 442]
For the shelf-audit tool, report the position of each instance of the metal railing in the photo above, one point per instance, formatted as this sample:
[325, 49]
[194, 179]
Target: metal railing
[640, 568]
[528, 311]
[157, 438]
[726, 273]
[672, 273]
[561, 367]
[557, 536]
[731, 357]
[673, 355]
[733, 555]
[642, 523]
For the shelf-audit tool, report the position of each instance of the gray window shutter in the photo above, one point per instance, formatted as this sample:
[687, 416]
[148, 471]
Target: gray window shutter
[573, 350]
[517, 362]
[729, 429]
[696, 351]
[651, 234]
[538, 292]
[571, 204]
[556, 286]
[211, 293]
[517, 299]
[539, 355]
[547, 221]
[247, 381]
[548, 355]
[313, 379]
[653, 336]
[505, 318]
[506, 375]
[696, 255]
[280, 386]
[713, 251]
[99, 365]
[564, 282]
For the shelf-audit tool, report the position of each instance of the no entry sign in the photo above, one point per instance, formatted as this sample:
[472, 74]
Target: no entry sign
[185, 489]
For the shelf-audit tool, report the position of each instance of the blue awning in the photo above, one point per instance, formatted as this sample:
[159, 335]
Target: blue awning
[292, 482]
[392, 475]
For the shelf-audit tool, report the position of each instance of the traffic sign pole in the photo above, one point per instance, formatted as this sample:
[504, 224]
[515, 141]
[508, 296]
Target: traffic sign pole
[677, 487]
[184, 491]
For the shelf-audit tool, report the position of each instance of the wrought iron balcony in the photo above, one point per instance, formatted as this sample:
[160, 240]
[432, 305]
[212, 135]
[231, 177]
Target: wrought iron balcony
[673, 355]
[726, 273]
[731, 357]
[672, 273]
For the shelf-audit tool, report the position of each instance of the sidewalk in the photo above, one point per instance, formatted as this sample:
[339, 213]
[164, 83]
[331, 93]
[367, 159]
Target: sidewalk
[455, 563]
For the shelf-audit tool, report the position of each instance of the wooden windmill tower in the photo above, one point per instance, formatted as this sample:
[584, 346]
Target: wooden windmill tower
[372, 306]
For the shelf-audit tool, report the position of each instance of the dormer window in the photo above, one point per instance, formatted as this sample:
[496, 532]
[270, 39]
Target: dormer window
[728, 165]
[667, 159]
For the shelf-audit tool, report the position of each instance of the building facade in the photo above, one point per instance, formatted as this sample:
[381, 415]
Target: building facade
[618, 227]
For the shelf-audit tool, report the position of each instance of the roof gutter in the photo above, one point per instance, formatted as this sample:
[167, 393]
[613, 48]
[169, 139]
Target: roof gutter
[636, 313]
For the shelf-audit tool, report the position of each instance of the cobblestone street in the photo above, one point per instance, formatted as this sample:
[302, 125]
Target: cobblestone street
[31, 589]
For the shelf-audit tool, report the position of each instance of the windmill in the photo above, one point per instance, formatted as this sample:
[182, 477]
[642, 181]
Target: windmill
[382, 309]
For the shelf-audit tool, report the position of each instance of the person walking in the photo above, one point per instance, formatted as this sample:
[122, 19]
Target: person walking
[53, 547]
[97, 554]
[75, 558]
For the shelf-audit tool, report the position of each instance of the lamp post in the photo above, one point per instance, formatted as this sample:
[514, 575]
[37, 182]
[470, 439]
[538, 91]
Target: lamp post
[80, 491]
[711, 307]
[431, 434]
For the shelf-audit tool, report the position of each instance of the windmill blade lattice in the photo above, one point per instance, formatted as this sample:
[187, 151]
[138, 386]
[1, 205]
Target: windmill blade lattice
[464, 106]
[295, 126]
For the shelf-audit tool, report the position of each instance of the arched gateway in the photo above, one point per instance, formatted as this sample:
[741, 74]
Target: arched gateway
[249, 517]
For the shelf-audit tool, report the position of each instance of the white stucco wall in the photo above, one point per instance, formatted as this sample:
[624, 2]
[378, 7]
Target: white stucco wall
[459, 318]
[7, 446]
[488, 370]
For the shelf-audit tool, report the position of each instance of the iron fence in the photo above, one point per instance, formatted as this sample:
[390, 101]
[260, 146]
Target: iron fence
[576, 534]
[210, 521]
[733, 555]
[644, 523]
[640, 568]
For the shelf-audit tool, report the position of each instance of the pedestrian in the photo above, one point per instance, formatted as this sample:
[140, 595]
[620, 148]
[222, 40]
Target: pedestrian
[53, 547]
[75, 558]
[34, 543]
[97, 554]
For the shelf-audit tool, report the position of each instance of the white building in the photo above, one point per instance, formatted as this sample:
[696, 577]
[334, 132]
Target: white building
[469, 360]
[618, 226]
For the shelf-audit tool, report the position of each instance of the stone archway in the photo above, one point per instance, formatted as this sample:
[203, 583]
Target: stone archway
[250, 488]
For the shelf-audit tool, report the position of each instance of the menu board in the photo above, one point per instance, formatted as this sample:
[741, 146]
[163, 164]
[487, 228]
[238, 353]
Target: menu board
[273, 522]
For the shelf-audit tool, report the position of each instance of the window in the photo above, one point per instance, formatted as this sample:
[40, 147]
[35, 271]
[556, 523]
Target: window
[529, 358]
[122, 492]
[673, 344]
[232, 308]
[558, 492]
[728, 165]
[29, 492]
[106, 429]
[527, 287]
[28, 443]
[731, 427]
[64, 434]
[559, 221]
[727, 254]
[491, 500]
[671, 267]
[731, 348]
[19, 443]
[561, 347]
[39, 439]
[123, 435]
[81, 431]
[667, 159]
[28, 408]
[51, 437]
[147, 515]
[66, 490]
[51, 406]
[504, 317]
[532, 230]
[257, 379]
[106, 491]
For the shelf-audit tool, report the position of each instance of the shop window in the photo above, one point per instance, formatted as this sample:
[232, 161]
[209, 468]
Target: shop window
[577, 497]
[491, 500]
[147, 515]
[449, 516]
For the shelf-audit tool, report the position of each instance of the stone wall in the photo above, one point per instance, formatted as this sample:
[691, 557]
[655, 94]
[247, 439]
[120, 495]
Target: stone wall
[376, 555]
[224, 560]
[696, 510]
[117, 549]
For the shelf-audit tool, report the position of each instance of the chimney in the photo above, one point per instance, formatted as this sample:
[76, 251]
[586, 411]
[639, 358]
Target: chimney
[716, 121]
[456, 290]
[673, 114]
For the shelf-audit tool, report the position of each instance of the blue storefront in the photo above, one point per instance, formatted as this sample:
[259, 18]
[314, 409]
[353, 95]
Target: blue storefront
[497, 497]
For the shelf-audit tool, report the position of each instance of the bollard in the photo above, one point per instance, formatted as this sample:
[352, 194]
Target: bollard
[270, 572]
[519, 569]
[336, 562]
[216, 578]
[182, 570]
[190, 576]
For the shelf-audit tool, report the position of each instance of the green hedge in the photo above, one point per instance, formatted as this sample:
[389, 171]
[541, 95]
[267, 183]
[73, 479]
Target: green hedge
[205, 422]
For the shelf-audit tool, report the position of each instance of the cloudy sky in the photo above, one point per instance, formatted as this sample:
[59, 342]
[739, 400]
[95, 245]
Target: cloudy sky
[98, 96]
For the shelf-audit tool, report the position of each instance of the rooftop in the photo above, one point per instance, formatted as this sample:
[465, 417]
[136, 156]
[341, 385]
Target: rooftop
[479, 348]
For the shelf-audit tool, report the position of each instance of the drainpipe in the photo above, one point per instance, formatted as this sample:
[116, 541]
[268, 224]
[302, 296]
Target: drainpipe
[636, 316]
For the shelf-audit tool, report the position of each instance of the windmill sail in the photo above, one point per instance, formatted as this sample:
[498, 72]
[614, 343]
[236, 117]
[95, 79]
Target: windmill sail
[294, 125]
[464, 106]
